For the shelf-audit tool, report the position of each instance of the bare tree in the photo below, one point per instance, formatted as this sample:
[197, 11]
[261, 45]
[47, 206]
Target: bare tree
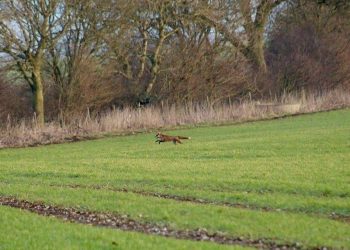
[76, 60]
[242, 23]
[137, 39]
[27, 30]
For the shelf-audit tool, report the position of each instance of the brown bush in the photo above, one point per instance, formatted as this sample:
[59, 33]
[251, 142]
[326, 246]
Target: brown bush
[309, 51]
[91, 87]
[303, 59]
[15, 102]
[198, 73]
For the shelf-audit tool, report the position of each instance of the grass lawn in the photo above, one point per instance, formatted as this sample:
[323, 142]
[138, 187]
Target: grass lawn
[291, 173]
[50, 233]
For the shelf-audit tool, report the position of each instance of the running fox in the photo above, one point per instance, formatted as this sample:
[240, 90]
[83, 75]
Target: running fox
[164, 138]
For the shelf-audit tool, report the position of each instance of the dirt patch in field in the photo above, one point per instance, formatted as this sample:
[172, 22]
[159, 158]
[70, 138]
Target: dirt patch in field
[339, 217]
[125, 223]
[333, 216]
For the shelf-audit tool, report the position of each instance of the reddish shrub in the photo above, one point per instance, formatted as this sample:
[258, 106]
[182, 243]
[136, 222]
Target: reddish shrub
[15, 102]
[309, 50]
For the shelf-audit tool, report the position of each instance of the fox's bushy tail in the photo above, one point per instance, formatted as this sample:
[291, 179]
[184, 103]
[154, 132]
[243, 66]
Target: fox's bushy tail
[184, 137]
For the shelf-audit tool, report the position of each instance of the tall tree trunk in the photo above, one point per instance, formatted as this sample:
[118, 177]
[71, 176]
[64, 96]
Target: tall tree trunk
[255, 51]
[155, 67]
[38, 95]
[156, 61]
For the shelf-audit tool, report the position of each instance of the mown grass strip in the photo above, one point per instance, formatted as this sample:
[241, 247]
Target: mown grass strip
[127, 224]
[192, 199]
[281, 226]
[24, 230]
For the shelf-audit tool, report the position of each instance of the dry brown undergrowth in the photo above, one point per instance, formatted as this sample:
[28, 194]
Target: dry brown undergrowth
[131, 120]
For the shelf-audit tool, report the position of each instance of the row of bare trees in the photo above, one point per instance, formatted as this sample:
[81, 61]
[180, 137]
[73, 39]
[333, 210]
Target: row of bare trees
[82, 54]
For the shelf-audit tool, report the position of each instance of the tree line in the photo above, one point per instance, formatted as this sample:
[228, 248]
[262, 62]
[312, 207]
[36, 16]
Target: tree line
[62, 57]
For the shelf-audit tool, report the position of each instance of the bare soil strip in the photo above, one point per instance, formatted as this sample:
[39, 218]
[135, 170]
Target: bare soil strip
[333, 216]
[123, 222]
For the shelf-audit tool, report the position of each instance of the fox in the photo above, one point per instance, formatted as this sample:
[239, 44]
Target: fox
[165, 138]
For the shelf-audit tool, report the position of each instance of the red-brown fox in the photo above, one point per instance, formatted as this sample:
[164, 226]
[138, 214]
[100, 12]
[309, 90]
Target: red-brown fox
[164, 138]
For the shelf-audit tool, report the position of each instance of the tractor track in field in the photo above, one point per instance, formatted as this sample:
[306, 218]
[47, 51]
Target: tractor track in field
[332, 216]
[125, 223]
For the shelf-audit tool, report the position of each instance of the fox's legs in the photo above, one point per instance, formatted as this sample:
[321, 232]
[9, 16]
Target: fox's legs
[176, 140]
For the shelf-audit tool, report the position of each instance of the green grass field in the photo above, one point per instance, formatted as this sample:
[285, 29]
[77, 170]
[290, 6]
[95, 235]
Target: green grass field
[288, 176]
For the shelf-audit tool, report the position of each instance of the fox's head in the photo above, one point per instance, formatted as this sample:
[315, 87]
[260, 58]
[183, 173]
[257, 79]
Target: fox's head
[159, 134]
